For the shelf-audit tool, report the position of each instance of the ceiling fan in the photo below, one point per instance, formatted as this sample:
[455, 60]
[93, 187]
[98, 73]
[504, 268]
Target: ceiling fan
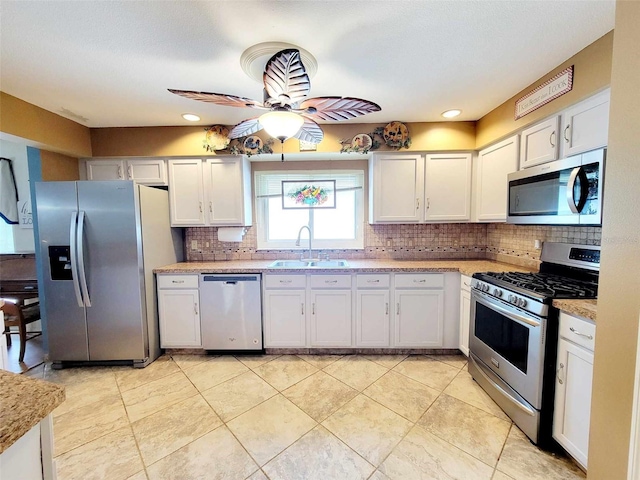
[289, 112]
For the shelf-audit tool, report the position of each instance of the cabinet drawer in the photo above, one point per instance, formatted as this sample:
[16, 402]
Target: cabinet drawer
[177, 281]
[285, 281]
[372, 281]
[578, 331]
[465, 283]
[330, 281]
[419, 280]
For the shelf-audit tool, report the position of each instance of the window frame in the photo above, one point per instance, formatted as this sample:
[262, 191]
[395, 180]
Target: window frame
[262, 219]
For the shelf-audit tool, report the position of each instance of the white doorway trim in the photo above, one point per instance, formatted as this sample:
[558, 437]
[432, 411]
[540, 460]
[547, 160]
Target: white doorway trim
[634, 444]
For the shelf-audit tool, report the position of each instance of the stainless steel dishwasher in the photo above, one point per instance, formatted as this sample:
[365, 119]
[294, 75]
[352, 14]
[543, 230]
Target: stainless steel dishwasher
[231, 312]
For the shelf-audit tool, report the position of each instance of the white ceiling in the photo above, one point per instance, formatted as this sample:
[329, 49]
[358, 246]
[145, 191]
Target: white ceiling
[111, 62]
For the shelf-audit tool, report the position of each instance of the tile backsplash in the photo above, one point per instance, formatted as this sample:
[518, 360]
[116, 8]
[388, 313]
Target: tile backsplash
[506, 243]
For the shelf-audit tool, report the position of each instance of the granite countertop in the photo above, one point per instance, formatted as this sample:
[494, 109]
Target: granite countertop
[582, 308]
[466, 267]
[24, 401]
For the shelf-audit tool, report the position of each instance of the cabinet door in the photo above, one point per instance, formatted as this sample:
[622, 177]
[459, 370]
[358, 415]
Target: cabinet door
[105, 170]
[284, 318]
[465, 317]
[585, 126]
[372, 318]
[572, 406]
[396, 188]
[494, 164]
[152, 171]
[419, 318]
[539, 143]
[331, 318]
[225, 191]
[448, 187]
[179, 314]
[186, 194]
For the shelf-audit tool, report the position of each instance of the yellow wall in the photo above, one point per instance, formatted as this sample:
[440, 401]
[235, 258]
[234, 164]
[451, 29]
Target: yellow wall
[178, 141]
[618, 302]
[41, 128]
[58, 167]
[591, 73]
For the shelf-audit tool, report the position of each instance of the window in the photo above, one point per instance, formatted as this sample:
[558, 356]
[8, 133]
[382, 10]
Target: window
[339, 227]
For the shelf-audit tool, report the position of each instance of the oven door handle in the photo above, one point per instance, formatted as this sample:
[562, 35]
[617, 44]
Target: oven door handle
[526, 409]
[505, 311]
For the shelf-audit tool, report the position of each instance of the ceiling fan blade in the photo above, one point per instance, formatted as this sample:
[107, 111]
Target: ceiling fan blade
[285, 78]
[246, 127]
[310, 132]
[337, 108]
[219, 99]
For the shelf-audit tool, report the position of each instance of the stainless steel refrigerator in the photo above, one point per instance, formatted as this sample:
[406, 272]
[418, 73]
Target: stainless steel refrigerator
[99, 243]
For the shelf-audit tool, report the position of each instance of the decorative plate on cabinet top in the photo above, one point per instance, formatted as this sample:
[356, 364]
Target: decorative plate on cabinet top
[395, 134]
[216, 138]
[252, 144]
[362, 141]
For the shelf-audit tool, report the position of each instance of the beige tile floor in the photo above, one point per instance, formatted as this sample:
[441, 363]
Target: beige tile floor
[289, 417]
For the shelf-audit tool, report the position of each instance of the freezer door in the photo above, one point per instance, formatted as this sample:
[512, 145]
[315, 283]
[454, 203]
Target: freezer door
[57, 205]
[112, 255]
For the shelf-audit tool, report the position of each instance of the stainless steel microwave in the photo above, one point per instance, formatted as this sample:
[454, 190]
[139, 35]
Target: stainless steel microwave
[564, 192]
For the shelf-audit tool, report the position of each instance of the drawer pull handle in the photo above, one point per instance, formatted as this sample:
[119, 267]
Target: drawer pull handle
[285, 281]
[560, 369]
[331, 281]
[466, 284]
[419, 281]
[177, 281]
[373, 281]
[590, 337]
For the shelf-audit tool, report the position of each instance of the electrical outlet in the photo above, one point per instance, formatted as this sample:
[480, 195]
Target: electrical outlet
[537, 244]
[409, 242]
[194, 244]
[206, 244]
[389, 243]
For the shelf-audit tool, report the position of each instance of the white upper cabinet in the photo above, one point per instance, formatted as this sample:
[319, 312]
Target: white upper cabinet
[105, 170]
[493, 166]
[396, 188]
[212, 192]
[448, 187]
[147, 171]
[539, 143]
[585, 126]
[228, 188]
[186, 192]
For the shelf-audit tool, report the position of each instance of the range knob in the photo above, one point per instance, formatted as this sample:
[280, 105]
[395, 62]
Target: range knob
[522, 302]
[513, 299]
[497, 292]
[477, 285]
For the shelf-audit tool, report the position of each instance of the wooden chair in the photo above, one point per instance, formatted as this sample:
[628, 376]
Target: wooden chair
[20, 316]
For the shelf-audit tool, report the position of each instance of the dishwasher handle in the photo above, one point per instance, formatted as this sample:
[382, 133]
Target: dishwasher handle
[228, 279]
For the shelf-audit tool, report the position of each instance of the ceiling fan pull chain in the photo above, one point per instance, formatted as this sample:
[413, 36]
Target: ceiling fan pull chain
[282, 151]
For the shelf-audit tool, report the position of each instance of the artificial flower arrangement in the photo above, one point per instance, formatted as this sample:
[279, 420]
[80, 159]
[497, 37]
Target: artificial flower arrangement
[309, 195]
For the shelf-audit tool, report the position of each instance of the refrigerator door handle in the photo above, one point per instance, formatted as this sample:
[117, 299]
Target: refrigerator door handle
[83, 274]
[74, 265]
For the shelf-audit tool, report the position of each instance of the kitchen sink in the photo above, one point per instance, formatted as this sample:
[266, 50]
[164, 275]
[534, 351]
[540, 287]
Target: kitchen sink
[309, 264]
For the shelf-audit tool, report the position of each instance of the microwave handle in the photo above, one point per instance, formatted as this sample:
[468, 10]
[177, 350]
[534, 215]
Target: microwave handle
[576, 207]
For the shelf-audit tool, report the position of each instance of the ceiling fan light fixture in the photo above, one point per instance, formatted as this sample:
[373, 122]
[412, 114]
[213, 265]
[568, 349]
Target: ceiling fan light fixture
[451, 113]
[191, 117]
[281, 124]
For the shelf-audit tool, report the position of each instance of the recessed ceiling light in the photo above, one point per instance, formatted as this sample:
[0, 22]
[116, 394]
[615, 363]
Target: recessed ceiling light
[191, 117]
[451, 113]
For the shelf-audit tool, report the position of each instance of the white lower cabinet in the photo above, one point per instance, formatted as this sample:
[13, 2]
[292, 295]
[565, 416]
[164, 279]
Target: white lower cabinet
[179, 311]
[330, 318]
[465, 313]
[419, 310]
[574, 377]
[372, 310]
[284, 318]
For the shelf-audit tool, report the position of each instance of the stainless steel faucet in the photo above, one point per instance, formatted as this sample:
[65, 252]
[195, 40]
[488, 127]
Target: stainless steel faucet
[298, 239]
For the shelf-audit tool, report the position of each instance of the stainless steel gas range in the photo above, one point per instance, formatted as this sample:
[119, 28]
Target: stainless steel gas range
[514, 332]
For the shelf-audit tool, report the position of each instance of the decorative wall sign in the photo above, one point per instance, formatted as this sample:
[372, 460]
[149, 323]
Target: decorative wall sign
[308, 146]
[543, 94]
[298, 194]
[216, 138]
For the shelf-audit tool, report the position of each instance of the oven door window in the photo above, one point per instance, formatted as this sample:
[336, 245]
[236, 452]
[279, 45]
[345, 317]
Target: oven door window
[506, 337]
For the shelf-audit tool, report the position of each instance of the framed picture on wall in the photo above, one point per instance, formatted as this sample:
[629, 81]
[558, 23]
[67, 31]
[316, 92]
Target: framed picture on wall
[308, 194]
